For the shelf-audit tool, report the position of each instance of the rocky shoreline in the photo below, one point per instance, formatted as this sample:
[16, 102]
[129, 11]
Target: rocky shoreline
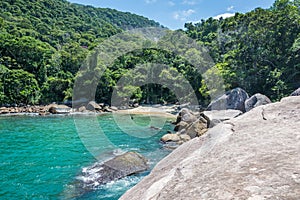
[90, 108]
[252, 156]
[231, 104]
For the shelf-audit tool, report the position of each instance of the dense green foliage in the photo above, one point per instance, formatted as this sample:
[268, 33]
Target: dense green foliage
[44, 43]
[47, 41]
[258, 51]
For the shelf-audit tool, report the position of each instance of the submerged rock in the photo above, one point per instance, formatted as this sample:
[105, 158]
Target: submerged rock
[254, 156]
[118, 167]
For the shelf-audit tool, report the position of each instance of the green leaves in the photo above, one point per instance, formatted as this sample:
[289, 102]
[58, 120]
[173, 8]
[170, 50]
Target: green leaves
[19, 86]
[50, 40]
[251, 49]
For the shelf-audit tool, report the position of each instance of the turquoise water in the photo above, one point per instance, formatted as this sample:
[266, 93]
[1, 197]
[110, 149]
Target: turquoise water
[42, 157]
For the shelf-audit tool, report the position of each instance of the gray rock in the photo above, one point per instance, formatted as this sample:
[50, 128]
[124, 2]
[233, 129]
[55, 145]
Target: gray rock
[116, 168]
[254, 156]
[181, 125]
[93, 106]
[185, 137]
[217, 116]
[82, 109]
[233, 99]
[114, 108]
[256, 100]
[58, 109]
[296, 92]
[170, 138]
[187, 116]
[197, 128]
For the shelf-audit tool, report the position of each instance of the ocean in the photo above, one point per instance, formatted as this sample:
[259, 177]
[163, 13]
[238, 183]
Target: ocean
[43, 157]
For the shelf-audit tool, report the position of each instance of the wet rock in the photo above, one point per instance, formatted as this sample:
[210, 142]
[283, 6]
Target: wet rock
[256, 100]
[118, 167]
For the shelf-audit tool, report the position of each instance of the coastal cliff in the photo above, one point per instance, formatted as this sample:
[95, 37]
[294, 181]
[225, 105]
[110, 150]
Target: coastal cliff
[253, 156]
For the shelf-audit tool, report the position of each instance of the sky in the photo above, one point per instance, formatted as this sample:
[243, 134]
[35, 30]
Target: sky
[175, 13]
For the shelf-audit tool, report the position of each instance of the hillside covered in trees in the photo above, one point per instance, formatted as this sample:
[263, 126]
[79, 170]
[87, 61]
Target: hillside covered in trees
[258, 51]
[43, 44]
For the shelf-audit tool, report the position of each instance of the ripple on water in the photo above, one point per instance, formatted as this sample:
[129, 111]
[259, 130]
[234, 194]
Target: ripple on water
[41, 157]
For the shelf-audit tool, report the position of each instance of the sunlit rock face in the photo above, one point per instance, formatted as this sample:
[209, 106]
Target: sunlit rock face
[253, 156]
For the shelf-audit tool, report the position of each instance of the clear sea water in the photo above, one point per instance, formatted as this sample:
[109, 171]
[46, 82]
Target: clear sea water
[42, 157]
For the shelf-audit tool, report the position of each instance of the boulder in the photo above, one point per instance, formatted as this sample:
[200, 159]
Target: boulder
[186, 115]
[256, 100]
[107, 109]
[4, 110]
[254, 156]
[181, 125]
[217, 116]
[118, 167]
[197, 128]
[55, 109]
[233, 99]
[170, 138]
[184, 137]
[82, 109]
[93, 106]
[114, 108]
[296, 92]
[136, 105]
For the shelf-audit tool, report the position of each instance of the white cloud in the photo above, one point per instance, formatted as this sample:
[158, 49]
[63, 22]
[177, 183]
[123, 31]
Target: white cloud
[182, 15]
[189, 2]
[230, 8]
[150, 1]
[171, 3]
[224, 15]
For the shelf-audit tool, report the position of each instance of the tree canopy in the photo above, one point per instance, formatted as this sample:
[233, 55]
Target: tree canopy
[44, 43]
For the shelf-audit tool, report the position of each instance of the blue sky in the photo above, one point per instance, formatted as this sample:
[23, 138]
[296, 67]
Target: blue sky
[174, 13]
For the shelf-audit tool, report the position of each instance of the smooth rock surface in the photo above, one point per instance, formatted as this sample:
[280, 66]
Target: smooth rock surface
[115, 168]
[181, 125]
[256, 100]
[254, 156]
[217, 116]
[170, 138]
[58, 109]
[296, 92]
[233, 99]
[197, 128]
[93, 106]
